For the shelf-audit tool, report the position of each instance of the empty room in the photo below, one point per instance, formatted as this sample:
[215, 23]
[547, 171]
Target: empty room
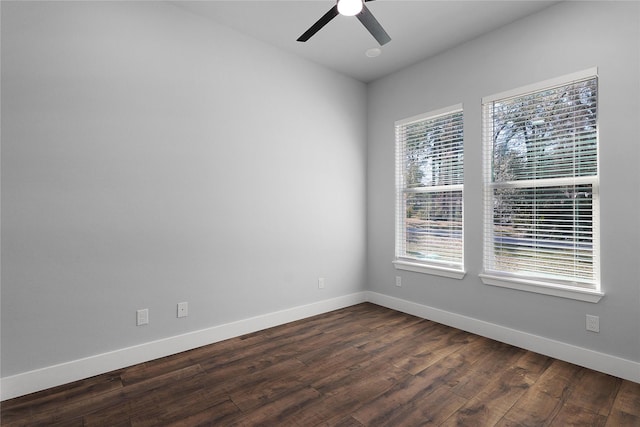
[320, 213]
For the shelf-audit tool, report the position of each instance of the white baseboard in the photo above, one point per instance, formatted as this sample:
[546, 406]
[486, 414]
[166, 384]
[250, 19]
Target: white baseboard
[606, 363]
[52, 376]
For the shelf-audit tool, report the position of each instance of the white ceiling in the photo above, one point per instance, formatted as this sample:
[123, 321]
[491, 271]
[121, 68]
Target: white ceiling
[418, 29]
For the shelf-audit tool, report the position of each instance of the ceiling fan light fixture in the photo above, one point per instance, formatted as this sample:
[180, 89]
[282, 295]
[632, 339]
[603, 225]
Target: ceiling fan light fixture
[349, 7]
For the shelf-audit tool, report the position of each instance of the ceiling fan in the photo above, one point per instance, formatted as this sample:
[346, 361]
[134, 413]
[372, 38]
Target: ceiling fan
[355, 8]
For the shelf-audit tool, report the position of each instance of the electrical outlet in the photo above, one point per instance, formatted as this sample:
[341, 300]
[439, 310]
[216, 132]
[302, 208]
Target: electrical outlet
[321, 283]
[398, 281]
[142, 317]
[183, 309]
[593, 323]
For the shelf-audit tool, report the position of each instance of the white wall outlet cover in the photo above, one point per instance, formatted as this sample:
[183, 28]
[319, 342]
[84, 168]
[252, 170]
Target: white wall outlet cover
[593, 323]
[183, 309]
[142, 317]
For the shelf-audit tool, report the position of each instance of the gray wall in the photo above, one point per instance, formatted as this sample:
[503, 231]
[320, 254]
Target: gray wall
[150, 157]
[565, 38]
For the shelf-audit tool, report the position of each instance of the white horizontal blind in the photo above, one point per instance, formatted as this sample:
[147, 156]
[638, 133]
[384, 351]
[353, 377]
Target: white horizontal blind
[541, 184]
[429, 178]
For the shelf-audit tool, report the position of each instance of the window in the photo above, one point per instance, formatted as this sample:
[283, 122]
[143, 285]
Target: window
[541, 188]
[429, 178]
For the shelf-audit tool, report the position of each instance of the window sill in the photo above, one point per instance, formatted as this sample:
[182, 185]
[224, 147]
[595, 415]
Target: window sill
[429, 269]
[575, 293]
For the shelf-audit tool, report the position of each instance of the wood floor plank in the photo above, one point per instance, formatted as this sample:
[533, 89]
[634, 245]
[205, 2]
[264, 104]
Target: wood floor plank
[534, 364]
[347, 390]
[250, 390]
[454, 370]
[430, 351]
[368, 373]
[249, 398]
[449, 371]
[145, 371]
[181, 406]
[541, 403]
[411, 341]
[595, 391]
[487, 368]
[78, 408]
[327, 358]
[363, 365]
[219, 413]
[494, 401]
[381, 341]
[49, 400]
[339, 421]
[628, 398]
[619, 418]
[115, 415]
[574, 415]
[266, 349]
[410, 403]
[287, 410]
[392, 405]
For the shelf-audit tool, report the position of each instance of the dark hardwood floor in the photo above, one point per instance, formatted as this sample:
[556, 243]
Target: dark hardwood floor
[362, 365]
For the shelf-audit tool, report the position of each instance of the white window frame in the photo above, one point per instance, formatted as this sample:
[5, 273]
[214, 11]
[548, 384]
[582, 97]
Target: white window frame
[558, 288]
[401, 261]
